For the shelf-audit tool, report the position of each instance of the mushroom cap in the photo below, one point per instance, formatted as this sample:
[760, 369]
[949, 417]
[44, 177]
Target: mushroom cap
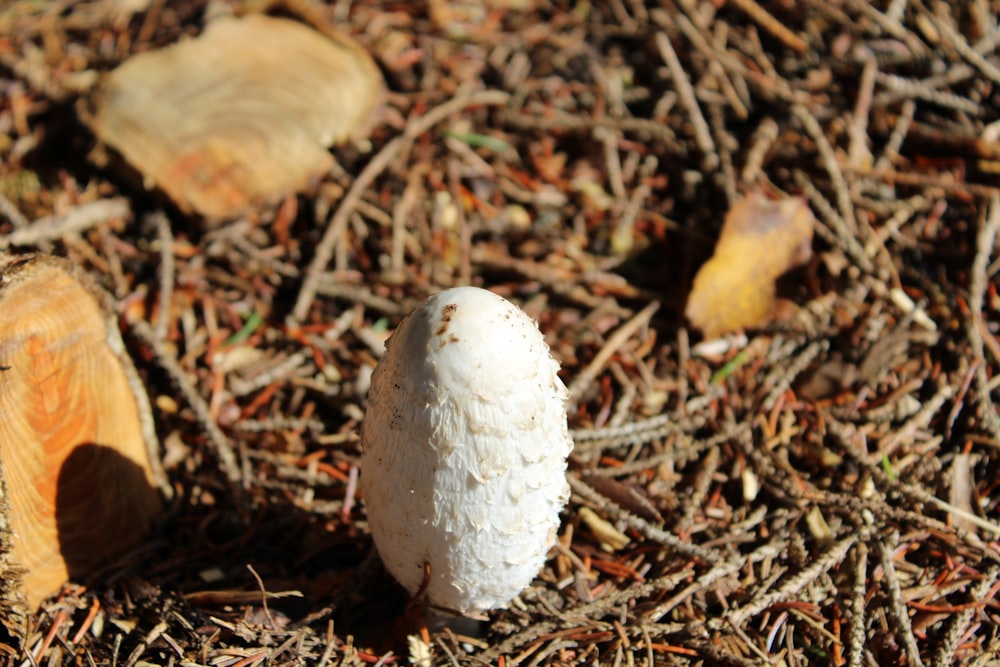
[465, 444]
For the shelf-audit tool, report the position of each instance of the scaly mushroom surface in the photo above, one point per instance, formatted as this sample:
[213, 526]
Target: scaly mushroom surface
[465, 440]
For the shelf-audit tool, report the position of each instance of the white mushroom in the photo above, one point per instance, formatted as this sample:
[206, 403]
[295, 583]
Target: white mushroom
[465, 445]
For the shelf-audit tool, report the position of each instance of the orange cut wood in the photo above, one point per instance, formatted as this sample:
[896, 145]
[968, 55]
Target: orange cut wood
[76, 434]
[243, 113]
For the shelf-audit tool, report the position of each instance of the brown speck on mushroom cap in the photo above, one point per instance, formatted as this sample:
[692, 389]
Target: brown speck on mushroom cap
[446, 314]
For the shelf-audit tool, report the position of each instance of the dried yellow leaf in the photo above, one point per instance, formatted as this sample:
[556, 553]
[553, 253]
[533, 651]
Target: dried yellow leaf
[611, 538]
[760, 240]
[818, 527]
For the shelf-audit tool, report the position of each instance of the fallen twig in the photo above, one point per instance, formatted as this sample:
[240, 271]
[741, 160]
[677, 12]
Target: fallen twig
[74, 221]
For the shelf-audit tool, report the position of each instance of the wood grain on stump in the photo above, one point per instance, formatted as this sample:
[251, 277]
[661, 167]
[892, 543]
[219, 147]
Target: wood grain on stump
[75, 435]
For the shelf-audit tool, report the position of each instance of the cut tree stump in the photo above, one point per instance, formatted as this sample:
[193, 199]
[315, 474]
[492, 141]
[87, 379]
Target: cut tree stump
[243, 113]
[78, 484]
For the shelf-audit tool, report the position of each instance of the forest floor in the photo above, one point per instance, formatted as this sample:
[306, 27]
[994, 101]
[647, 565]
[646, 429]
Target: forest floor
[820, 488]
